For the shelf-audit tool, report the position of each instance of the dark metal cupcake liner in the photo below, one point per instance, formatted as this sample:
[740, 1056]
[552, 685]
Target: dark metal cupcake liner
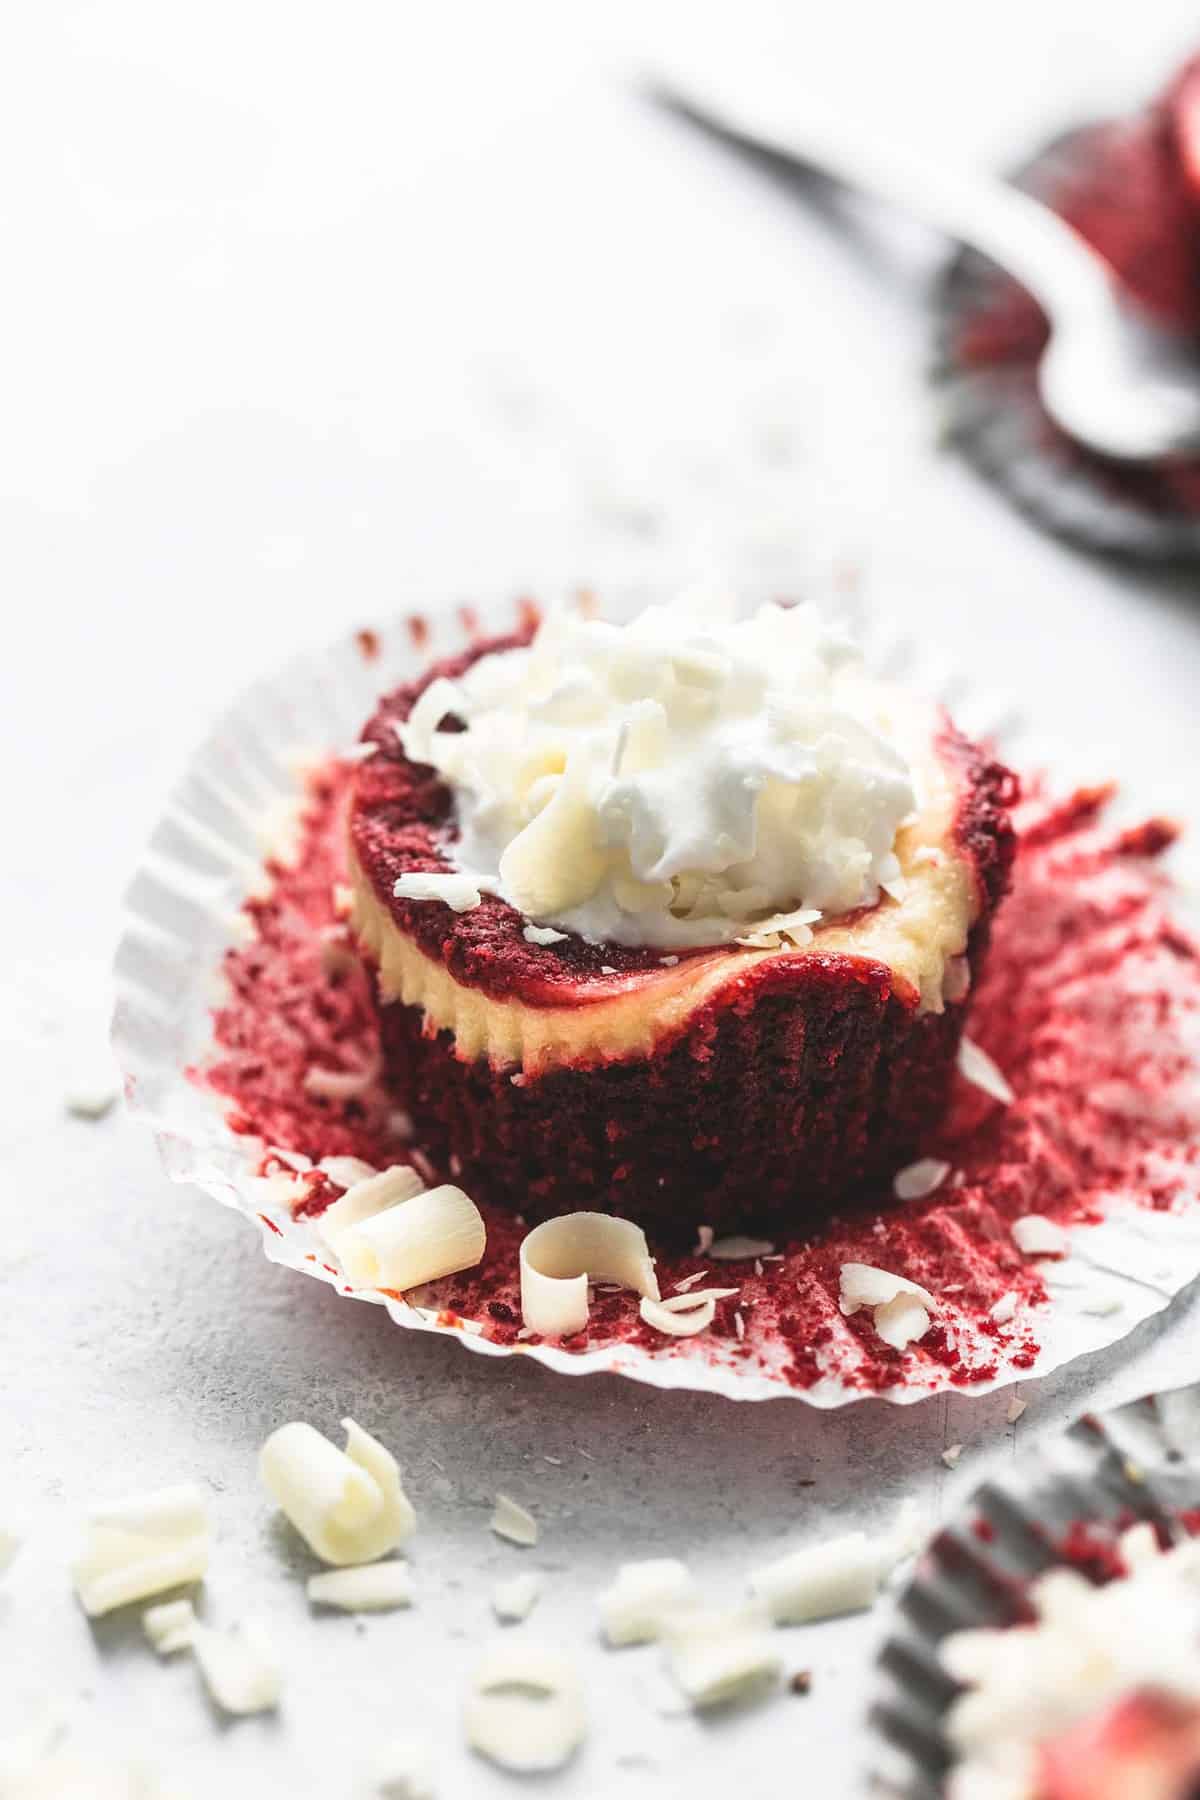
[1141, 1461]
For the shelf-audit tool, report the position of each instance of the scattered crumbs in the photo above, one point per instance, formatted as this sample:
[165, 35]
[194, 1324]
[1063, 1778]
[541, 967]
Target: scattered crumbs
[1016, 1407]
[801, 1682]
[951, 1455]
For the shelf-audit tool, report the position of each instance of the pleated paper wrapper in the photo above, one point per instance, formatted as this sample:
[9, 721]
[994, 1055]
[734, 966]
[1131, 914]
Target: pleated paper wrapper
[235, 801]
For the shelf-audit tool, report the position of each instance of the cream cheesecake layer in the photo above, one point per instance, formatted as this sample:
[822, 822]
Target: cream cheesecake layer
[916, 938]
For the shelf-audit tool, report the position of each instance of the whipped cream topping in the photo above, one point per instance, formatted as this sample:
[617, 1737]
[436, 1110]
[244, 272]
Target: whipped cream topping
[687, 779]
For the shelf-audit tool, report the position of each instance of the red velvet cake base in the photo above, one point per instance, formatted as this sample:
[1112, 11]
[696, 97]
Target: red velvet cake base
[782, 1095]
[760, 1115]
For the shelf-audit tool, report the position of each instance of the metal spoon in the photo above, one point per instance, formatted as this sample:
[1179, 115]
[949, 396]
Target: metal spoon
[1111, 376]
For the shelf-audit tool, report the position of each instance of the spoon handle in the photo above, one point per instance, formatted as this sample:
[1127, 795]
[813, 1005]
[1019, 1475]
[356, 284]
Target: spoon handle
[1043, 252]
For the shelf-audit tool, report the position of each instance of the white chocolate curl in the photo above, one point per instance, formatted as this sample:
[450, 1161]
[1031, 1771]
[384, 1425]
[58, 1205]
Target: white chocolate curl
[560, 1256]
[142, 1546]
[348, 1505]
[433, 1234]
[366, 1197]
[525, 1710]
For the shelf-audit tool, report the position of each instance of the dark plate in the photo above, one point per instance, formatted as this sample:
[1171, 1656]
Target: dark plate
[1141, 1461]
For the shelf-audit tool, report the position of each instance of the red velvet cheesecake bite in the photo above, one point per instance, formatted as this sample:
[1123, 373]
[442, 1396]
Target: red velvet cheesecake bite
[677, 919]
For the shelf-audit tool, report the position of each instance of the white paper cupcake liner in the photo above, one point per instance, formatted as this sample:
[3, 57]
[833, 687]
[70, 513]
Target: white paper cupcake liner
[206, 856]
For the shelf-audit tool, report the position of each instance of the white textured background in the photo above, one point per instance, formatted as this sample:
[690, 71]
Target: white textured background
[310, 308]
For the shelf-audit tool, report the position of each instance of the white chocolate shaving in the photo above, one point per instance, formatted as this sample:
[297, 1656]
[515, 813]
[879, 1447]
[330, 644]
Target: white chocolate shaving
[340, 1084]
[239, 1668]
[367, 1587]
[170, 1627]
[525, 1709]
[346, 1171]
[92, 1098]
[951, 1455]
[461, 893]
[920, 1179]
[543, 934]
[737, 1249]
[636, 1607]
[10, 1543]
[559, 1258]
[1015, 1408]
[718, 1655]
[366, 1198]
[1035, 1235]
[515, 1599]
[1005, 1308]
[512, 1521]
[435, 1233]
[823, 1581]
[348, 1505]
[142, 1546]
[899, 1308]
[687, 1314]
[977, 1067]
[404, 1770]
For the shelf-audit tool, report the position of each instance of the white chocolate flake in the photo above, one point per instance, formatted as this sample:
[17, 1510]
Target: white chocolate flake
[239, 1667]
[142, 1546]
[920, 1178]
[512, 1521]
[1035, 1235]
[513, 1600]
[170, 1627]
[737, 1249]
[460, 892]
[721, 1655]
[977, 1067]
[365, 1587]
[687, 1314]
[643, 1597]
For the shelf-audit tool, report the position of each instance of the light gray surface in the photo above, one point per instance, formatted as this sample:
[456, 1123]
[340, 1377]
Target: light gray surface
[313, 310]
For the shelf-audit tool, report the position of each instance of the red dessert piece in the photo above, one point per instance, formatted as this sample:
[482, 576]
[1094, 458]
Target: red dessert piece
[727, 1086]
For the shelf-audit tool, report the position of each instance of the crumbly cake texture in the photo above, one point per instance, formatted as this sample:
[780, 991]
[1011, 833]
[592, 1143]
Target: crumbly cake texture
[1089, 1003]
[780, 1094]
